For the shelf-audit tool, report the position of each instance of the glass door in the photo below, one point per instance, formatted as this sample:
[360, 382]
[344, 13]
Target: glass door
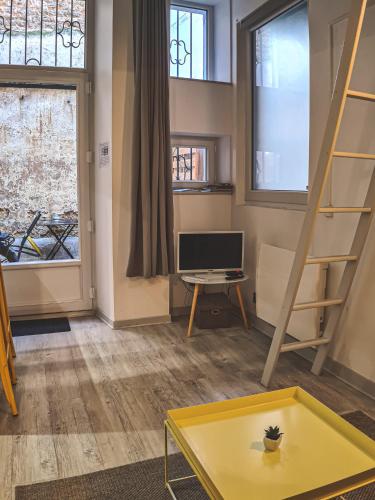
[44, 196]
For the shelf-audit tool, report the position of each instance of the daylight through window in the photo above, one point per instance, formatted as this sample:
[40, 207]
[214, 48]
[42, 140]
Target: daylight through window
[281, 102]
[188, 42]
[189, 164]
[43, 33]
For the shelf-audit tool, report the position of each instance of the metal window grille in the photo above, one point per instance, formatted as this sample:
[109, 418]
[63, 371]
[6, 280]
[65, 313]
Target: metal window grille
[188, 42]
[189, 164]
[43, 33]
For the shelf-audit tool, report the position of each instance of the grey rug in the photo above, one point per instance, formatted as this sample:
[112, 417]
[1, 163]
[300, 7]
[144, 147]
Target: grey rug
[139, 481]
[145, 480]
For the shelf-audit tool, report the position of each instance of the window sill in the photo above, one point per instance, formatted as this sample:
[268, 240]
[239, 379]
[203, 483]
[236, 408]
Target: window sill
[200, 191]
[299, 207]
[289, 200]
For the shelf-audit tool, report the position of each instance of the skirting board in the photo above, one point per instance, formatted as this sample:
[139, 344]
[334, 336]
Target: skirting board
[340, 371]
[118, 325]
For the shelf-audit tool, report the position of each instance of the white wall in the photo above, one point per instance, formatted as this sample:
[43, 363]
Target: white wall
[355, 347]
[220, 37]
[134, 298]
[198, 212]
[222, 41]
[103, 176]
[200, 108]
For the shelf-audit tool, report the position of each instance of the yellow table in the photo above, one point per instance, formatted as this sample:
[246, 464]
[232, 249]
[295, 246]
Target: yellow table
[321, 455]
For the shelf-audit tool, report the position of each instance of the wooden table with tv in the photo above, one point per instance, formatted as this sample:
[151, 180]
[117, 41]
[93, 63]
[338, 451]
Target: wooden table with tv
[207, 258]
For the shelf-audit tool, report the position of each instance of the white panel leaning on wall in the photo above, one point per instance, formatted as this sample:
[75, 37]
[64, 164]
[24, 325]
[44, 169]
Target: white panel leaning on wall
[273, 271]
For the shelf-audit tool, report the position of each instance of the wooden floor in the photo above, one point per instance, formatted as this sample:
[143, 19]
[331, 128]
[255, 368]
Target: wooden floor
[96, 398]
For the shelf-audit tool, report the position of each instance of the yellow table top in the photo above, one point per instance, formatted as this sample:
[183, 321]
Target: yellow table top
[224, 443]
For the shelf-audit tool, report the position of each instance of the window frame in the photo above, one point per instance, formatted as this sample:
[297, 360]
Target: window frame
[196, 142]
[296, 200]
[209, 37]
[82, 79]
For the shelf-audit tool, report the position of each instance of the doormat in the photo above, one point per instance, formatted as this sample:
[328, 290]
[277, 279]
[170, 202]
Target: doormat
[145, 480]
[39, 326]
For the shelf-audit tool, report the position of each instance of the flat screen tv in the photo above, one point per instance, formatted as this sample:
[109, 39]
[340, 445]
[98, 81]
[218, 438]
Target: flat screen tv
[210, 251]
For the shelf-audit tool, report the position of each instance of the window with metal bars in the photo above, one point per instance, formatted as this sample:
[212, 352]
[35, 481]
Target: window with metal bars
[189, 164]
[43, 33]
[189, 41]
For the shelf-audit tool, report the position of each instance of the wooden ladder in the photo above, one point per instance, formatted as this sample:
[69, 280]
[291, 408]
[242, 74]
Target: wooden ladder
[7, 352]
[327, 154]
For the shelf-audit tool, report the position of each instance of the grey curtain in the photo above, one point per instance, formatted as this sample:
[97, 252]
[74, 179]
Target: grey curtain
[152, 249]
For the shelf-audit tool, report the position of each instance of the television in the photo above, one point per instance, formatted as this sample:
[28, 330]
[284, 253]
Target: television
[212, 251]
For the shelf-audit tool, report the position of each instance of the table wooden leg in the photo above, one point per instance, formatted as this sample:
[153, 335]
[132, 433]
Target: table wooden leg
[193, 307]
[242, 307]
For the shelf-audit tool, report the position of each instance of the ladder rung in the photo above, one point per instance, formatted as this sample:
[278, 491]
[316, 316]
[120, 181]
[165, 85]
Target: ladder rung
[344, 210]
[359, 156]
[294, 346]
[320, 303]
[331, 258]
[365, 96]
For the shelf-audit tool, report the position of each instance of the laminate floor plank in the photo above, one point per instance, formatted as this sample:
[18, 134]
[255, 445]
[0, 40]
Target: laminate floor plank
[95, 398]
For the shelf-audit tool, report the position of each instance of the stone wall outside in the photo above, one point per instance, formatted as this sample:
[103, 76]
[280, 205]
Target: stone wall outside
[38, 161]
[35, 10]
[40, 47]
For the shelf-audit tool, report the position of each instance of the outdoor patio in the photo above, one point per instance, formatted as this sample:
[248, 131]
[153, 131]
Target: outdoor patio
[46, 245]
[45, 239]
[38, 185]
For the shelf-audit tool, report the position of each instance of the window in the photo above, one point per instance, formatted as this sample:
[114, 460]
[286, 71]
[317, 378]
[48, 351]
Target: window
[43, 33]
[281, 102]
[189, 164]
[189, 42]
[277, 114]
[38, 182]
[192, 161]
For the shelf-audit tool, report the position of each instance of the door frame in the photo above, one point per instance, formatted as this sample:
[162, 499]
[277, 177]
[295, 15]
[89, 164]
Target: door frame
[78, 78]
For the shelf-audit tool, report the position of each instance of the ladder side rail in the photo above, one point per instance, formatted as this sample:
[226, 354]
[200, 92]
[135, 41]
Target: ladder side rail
[336, 112]
[347, 278]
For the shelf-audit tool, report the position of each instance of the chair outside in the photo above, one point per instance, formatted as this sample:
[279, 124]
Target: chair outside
[6, 253]
[33, 248]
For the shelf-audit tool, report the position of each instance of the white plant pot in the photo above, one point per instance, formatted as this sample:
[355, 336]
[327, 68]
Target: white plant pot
[271, 444]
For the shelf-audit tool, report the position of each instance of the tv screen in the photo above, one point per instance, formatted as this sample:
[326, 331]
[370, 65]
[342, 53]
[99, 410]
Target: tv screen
[216, 251]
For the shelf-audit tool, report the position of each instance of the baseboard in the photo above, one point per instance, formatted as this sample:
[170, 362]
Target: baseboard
[151, 320]
[351, 377]
[337, 369]
[100, 314]
[118, 325]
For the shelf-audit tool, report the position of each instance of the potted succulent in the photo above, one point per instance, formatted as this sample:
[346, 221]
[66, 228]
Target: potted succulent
[272, 439]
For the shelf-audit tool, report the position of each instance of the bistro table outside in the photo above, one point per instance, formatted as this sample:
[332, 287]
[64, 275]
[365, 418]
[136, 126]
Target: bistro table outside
[60, 229]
